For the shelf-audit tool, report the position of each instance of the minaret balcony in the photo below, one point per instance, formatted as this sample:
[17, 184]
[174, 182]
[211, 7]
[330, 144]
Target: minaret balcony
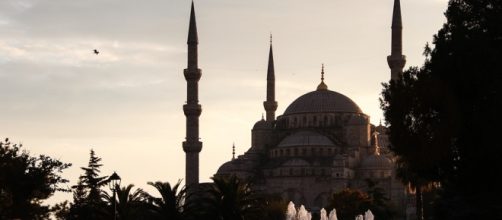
[192, 146]
[192, 109]
[396, 61]
[192, 74]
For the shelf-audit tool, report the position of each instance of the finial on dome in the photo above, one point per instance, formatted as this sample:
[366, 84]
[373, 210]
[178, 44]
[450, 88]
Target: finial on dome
[270, 38]
[233, 151]
[322, 72]
[322, 86]
[262, 117]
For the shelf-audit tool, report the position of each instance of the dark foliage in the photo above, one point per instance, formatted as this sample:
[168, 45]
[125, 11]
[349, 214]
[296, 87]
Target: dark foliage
[443, 116]
[272, 207]
[349, 203]
[61, 210]
[88, 202]
[131, 205]
[170, 204]
[25, 181]
[229, 198]
[379, 205]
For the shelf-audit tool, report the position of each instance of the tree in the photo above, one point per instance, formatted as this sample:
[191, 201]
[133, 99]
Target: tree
[272, 207]
[130, 204]
[26, 181]
[170, 204]
[229, 198]
[379, 203]
[88, 197]
[61, 210]
[442, 116]
[349, 203]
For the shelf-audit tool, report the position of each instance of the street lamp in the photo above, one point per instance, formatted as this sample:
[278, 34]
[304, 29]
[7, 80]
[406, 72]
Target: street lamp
[114, 182]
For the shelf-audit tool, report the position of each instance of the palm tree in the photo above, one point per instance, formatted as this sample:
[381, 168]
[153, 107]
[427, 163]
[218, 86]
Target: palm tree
[130, 205]
[229, 198]
[170, 204]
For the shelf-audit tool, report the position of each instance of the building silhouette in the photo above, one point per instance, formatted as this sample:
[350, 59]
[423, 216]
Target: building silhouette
[321, 144]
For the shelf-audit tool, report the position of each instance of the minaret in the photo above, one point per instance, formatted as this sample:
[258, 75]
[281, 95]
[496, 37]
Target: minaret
[270, 105]
[192, 109]
[396, 60]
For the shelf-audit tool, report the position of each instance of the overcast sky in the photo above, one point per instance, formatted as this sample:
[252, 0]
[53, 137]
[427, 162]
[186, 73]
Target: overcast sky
[59, 98]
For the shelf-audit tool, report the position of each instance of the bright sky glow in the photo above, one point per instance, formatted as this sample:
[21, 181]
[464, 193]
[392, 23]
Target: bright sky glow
[60, 99]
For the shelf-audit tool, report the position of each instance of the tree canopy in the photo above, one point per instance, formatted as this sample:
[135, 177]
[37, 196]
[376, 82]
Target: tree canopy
[443, 115]
[26, 181]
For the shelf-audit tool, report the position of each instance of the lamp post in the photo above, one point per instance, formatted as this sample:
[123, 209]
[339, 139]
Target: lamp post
[114, 182]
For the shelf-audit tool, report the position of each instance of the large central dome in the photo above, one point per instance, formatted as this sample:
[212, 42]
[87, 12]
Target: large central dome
[322, 101]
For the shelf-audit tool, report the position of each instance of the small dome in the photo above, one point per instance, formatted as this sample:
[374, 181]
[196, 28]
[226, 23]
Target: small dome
[227, 168]
[322, 101]
[262, 125]
[376, 162]
[306, 138]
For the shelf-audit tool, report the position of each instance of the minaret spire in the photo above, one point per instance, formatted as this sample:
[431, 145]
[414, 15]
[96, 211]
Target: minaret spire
[396, 60]
[270, 105]
[192, 145]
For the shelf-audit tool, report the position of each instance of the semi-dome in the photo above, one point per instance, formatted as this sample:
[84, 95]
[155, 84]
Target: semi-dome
[306, 138]
[262, 125]
[322, 101]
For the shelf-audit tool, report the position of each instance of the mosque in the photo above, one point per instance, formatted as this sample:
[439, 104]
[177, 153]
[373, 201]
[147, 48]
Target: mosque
[321, 144]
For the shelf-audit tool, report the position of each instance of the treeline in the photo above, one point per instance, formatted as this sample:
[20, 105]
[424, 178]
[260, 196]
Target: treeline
[26, 181]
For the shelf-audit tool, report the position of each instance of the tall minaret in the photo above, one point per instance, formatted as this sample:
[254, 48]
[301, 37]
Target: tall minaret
[396, 60]
[270, 105]
[192, 109]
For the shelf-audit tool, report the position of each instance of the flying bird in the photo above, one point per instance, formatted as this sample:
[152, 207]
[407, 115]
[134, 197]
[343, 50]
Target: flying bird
[96, 52]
